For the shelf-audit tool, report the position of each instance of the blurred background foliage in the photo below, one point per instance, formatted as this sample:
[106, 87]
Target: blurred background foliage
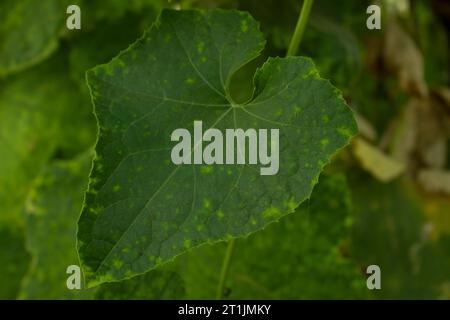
[384, 200]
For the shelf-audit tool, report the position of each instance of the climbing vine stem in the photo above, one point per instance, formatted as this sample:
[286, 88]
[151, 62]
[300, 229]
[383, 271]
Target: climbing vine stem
[300, 28]
[224, 271]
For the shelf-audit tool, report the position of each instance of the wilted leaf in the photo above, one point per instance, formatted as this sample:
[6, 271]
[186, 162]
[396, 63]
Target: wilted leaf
[419, 136]
[402, 56]
[435, 180]
[444, 94]
[401, 136]
[380, 165]
[365, 127]
[432, 137]
[141, 210]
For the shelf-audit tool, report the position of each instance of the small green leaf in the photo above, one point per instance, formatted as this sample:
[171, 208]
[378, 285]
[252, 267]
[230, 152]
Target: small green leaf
[41, 113]
[28, 32]
[28, 128]
[51, 215]
[141, 209]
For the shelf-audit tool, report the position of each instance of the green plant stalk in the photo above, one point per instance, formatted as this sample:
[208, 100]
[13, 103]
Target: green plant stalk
[300, 28]
[225, 268]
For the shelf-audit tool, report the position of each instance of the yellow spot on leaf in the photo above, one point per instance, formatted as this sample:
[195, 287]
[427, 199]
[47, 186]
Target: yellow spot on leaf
[200, 46]
[271, 212]
[244, 26]
[207, 169]
[118, 264]
[344, 131]
[324, 142]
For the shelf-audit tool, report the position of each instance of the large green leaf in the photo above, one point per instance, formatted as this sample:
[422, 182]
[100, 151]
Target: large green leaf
[140, 209]
[301, 257]
[28, 32]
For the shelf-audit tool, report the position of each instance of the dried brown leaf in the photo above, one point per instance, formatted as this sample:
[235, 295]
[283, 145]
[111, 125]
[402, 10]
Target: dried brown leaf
[365, 128]
[402, 56]
[380, 165]
[435, 180]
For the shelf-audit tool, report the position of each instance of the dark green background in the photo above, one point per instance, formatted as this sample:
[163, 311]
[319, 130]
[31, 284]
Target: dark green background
[47, 132]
